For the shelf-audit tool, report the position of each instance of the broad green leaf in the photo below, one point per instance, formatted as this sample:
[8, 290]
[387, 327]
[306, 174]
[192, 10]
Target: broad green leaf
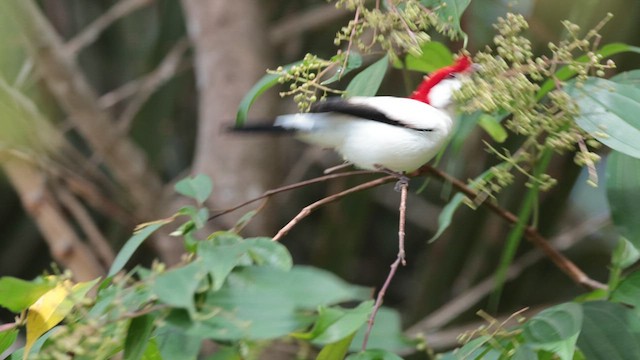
[566, 73]
[7, 338]
[610, 331]
[608, 111]
[264, 302]
[219, 260]
[446, 215]
[132, 245]
[51, 308]
[226, 353]
[346, 324]
[492, 126]
[177, 287]
[152, 352]
[336, 350]
[198, 216]
[628, 77]
[353, 62]
[449, 11]
[174, 344]
[216, 324]
[198, 187]
[265, 83]
[137, 337]
[386, 333]
[435, 55]
[374, 354]
[555, 329]
[264, 251]
[20, 353]
[17, 295]
[625, 254]
[368, 81]
[623, 183]
[628, 292]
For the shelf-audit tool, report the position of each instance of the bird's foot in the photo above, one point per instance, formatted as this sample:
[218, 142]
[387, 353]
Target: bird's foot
[403, 180]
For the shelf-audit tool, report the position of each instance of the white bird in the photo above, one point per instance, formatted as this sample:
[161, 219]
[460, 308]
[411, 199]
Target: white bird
[384, 132]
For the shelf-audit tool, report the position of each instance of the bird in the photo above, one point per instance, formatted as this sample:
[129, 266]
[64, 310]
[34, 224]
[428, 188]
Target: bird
[384, 133]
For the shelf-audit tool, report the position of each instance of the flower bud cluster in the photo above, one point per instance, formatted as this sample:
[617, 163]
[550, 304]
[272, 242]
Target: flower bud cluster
[513, 81]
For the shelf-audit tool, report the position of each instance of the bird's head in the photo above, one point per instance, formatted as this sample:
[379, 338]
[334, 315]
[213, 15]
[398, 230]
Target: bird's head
[437, 88]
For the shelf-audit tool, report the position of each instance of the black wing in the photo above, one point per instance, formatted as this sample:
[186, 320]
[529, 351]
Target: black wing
[343, 106]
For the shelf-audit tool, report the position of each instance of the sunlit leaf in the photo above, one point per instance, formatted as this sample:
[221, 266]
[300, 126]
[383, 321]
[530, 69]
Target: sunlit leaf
[336, 323]
[368, 81]
[17, 295]
[608, 112]
[555, 329]
[198, 187]
[623, 183]
[336, 350]
[435, 55]
[52, 307]
[492, 126]
[7, 338]
[152, 352]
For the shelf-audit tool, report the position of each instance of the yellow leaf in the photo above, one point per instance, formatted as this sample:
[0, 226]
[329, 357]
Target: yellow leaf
[51, 308]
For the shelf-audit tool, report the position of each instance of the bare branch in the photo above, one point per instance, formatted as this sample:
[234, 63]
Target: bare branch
[329, 199]
[93, 30]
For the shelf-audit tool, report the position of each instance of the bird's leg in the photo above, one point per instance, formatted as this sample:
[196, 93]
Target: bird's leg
[403, 180]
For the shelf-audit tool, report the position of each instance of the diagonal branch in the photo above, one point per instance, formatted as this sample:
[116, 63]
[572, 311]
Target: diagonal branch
[531, 233]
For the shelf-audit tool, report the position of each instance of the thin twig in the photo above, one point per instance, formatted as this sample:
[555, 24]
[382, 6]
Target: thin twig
[93, 30]
[329, 199]
[562, 262]
[404, 189]
[297, 185]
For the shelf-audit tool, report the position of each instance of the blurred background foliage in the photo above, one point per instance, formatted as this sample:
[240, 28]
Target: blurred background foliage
[355, 238]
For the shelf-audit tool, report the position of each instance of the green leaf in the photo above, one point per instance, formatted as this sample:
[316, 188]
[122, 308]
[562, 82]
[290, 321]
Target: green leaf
[219, 260]
[608, 111]
[353, 62]
[449, 11]
[623, 182]
[492, 126]
[17, 295]
[131, 246]
[337, 350]
[628, 77]
[446, 215]
[628, 292]
[374, 354]
[434, 56]
[198, 187]
[177, 287]
[265, 83]
[555, 329]
[386, 333]
[334, 324]
[226, 353]
[174, 344]
[610, 331]
[368, 81]
[625, 254]
[138, 336]
[7, 338]
[566, 73]
[264, 251]
[152, 352]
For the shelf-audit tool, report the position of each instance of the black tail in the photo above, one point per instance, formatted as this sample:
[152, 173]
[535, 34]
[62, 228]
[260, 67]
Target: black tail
[263, 129]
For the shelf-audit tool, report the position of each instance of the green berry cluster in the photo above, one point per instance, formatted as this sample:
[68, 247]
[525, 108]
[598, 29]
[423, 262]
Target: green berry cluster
[511, 85]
